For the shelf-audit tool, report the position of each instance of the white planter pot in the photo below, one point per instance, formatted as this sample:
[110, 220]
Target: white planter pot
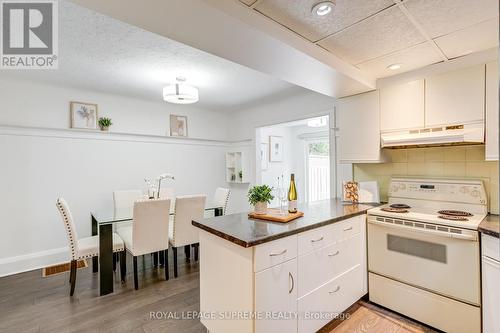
[261, 208]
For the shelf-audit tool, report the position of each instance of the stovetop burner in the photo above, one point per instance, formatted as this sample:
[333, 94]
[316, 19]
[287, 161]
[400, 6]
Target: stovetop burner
[453, 217]
[457, 213]
[400, 206]
[394, 210]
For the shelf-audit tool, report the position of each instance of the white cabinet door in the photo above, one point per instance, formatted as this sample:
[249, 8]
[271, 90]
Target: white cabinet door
[491, 295]
[358, 121]
[492, 111]
[402, 106]
[455, 97]
[275, 295]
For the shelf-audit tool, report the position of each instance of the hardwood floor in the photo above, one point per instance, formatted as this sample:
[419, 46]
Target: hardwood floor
[30, 303]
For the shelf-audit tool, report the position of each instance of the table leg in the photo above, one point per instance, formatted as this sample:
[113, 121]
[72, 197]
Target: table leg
[218, 212]
[106, 259]
[187, 252]
[95, 260]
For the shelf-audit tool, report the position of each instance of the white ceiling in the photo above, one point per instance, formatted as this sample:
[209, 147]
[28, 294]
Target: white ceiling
[372, 34]
[100, 53]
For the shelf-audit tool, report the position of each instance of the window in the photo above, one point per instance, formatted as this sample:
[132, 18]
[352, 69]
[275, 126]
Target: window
[318, 170]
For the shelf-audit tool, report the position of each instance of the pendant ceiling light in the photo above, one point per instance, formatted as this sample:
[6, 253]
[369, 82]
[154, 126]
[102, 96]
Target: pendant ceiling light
[180, 93]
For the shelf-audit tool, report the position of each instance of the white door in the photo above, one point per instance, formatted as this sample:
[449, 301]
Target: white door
[402, 106]
[318, 169]
[276, 298]
[430, 259]
[491, 295]
[455, 97]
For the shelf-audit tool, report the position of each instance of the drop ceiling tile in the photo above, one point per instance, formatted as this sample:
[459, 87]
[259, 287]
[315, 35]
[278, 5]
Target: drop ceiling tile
[476, 38]
[441, 17]
[248, 2]
[381, 34]
[296, 15]
[411, 58]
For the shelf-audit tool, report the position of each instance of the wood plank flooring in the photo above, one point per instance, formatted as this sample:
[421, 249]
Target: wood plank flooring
[30, 303]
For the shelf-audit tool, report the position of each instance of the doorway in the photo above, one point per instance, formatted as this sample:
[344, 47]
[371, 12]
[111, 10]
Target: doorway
[300, 147]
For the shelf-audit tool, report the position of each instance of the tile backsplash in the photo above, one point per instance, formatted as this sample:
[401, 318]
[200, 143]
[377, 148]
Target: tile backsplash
[464, 162]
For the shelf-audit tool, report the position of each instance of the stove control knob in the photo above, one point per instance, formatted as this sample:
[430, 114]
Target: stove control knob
[475, 193]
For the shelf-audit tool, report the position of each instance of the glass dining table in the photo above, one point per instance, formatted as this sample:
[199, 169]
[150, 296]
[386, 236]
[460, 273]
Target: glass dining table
[102, 225]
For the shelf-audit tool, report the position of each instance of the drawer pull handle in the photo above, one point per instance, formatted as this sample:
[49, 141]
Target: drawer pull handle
[336, 289]
[347, 229]
[334, 254]
[317, 240]
[293, 282]
[277, 254]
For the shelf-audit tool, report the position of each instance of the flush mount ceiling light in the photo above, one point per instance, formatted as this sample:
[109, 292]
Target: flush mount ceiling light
[323, 8]
[393, 67]
[180, 93]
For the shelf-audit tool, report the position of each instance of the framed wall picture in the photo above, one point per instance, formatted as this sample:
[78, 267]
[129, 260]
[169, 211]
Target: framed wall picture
[276, 149]
[178, 125]
[264, 156]
[83, 115]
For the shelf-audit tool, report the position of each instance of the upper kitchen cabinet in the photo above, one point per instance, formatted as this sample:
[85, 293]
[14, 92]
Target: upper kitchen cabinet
[455, 97]
[358, 122]
[402, 106]
[492, 111]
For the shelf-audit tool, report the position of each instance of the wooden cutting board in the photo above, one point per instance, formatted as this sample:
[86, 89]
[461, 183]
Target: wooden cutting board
[273, 214]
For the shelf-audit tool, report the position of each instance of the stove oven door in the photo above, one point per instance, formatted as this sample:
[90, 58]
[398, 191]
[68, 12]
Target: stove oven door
[435, 258]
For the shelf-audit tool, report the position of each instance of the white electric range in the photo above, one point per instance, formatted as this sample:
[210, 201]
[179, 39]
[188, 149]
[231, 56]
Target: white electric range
[423, 252]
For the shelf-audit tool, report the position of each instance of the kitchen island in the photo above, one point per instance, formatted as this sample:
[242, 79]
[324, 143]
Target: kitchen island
[258, 276]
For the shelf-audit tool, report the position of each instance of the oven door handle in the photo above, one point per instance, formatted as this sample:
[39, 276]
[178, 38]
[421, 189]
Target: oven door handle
[468, 237]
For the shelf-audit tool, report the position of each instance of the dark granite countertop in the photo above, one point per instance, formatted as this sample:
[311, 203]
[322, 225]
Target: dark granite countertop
[491, 225]
[241, 230]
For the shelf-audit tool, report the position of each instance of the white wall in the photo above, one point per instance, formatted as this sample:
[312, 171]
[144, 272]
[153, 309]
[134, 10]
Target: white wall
[40, 164]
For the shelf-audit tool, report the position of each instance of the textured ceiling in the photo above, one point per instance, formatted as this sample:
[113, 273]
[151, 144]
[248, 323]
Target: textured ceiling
[372, 34]
[100, 53]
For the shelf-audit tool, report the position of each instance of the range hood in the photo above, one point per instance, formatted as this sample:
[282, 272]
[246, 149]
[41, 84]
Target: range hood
[462, 134]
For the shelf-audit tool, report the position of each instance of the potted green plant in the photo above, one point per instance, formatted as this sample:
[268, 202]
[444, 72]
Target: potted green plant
[259, 196]
[104, 123]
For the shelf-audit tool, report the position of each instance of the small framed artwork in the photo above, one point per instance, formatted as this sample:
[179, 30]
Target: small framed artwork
[83, 115]
[178, 125]
[276, 148]
[264, 153]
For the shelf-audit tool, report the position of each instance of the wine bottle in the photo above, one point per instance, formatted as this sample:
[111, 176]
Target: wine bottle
[292, 196]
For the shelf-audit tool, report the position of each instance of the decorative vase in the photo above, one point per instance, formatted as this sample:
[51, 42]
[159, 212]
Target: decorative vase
[260, 208]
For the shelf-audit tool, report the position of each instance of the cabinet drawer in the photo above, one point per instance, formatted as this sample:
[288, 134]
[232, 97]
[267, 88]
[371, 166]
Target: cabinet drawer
[316, 239]
[348, 228]
[323, 304]
[320, 266]
[275, 252]
[490, 247]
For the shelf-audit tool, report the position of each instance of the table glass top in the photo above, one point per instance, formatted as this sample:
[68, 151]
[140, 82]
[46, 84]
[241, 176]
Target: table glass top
[109, 215]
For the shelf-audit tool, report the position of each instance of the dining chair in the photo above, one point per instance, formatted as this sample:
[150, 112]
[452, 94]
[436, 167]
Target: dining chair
[83, 248]
[147, 234]
[221, 198]
[182, 232]
[124, 202]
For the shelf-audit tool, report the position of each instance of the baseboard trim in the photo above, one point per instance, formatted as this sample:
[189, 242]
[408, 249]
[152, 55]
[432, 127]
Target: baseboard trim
[32, 261]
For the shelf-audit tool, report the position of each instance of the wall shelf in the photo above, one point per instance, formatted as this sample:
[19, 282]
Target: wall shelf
[237, 164]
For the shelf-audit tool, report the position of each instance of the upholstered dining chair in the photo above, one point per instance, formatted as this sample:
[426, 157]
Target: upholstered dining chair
[221, 198]
[168, 193]
[82, 248]
[147, 234]
[182, 232]
[124, 202]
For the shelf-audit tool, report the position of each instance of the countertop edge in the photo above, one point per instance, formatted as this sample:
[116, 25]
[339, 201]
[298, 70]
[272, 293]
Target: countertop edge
[484, 228]
[247, 244]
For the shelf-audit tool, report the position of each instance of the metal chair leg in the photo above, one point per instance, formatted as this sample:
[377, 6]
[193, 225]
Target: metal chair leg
[165, 264]
[175, 261]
